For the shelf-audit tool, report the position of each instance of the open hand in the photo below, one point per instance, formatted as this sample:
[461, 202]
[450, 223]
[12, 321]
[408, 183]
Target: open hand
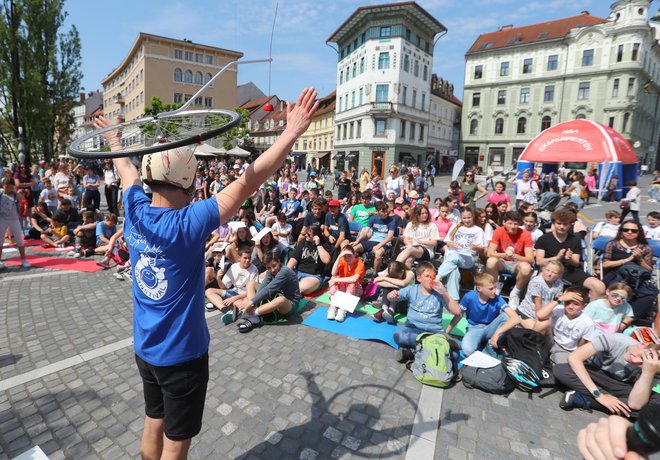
[299, 117]
[605, 439]
[614, 405]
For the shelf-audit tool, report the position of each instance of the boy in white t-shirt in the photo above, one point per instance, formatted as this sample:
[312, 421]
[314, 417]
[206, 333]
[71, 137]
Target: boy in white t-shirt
[652, 230]
[570, 328]
[282, 230]
[234, 282]
[49, 196]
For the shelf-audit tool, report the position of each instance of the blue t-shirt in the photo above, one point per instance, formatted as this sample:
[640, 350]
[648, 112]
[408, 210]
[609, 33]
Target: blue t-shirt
[338, 225]
[291, 205]
[102, 229]
[381, 227]
[424, 311]
[167, 254]
[482, 313]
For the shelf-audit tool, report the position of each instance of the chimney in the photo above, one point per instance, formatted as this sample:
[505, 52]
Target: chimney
[585, 12]
[506, 27]
[282, 105]
[82, 96]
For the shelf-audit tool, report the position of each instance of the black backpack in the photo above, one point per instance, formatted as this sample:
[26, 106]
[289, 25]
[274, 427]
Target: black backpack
[528, 354]
[491, 380]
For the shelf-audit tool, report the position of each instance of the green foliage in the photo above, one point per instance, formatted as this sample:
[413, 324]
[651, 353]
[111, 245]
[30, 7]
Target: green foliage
[239, 134]
[39, 76]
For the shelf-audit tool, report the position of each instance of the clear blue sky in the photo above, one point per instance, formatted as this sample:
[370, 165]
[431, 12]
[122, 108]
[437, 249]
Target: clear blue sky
[301, 57]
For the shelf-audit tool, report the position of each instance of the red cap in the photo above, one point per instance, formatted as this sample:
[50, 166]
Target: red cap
[334, 203]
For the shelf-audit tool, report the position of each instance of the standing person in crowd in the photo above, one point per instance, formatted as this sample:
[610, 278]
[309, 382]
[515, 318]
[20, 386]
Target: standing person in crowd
[49, 196]
[24, 182]
[631, 203]
[395, 183]
[91, 184]
[590, 181]
[343, 186]
[470, 188]
[364, 179]
[9, 219]
[166, 239]
[111, 180]
[526, 188]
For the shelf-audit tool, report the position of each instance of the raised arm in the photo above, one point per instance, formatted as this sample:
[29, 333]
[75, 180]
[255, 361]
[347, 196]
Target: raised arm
[297, 121]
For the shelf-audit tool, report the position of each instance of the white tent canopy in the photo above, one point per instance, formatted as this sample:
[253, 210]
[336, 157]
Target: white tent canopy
[206, 150]
[238, 152]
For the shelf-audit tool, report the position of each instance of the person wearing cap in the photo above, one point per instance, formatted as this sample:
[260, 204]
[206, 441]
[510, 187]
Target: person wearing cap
[312, 182]
[336, 228]
[166, 238]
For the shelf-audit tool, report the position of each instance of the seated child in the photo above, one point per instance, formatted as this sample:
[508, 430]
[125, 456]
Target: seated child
[57, 234]
[104, 231]
[570, 328]
[49, 196]
[426, 301]
[488, 315]
[282, 231]
[234, 283]
[397, 276]
[610, 228]
[215, 268]
[347, 275]
[277, 297]
[613, 313]
[530, 223]
[542, 289]
[652, 230]
[85, 237]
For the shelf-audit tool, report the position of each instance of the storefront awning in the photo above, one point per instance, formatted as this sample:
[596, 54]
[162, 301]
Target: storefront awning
[297, 154]
[352, 155]
[318, 155]
[339, 156]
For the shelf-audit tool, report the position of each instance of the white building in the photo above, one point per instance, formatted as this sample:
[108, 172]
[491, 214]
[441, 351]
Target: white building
[522, 80]
[385, 57]
[444, 124]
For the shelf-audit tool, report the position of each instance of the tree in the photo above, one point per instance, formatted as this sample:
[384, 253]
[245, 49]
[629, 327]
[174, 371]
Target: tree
[239, 134]
[39, 76]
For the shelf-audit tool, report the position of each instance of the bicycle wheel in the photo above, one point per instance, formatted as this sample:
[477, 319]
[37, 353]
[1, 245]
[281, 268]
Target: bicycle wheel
[155, 134]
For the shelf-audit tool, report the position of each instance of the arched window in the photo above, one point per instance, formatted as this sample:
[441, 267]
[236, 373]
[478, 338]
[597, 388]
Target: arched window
[198, 78]
[581, 116]
[207, 78]
[522, 125]
[474, 125]
[499, 126]
[178, 74]
[546, 122]
[188, 76]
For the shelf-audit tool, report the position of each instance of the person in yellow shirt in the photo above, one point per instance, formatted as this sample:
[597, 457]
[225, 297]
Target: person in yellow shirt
[57, 235]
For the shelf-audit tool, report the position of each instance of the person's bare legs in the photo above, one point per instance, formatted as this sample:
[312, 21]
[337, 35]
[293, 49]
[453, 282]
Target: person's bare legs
[151, 446]
[309, 284]
[280, 303]
[215, 297]
[523, 275]
[596, 288]
[378, 259]
[410, 255]
[175, 450]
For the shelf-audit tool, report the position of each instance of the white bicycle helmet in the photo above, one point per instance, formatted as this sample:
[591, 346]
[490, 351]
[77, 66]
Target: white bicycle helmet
[174, 167]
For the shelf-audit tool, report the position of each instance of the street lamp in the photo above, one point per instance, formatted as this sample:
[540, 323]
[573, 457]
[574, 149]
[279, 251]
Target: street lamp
[21, 145]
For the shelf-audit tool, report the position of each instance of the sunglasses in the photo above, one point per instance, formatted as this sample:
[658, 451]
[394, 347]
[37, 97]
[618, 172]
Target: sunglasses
[617, 296]
[630, 230]
[468, 175]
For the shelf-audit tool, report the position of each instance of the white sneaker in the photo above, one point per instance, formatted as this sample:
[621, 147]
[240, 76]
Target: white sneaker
[119, 276]
[514, 302]
[77, 254]
[71, 254]
[332, 311]
[341, 315]
[653, 201]
[25, 264]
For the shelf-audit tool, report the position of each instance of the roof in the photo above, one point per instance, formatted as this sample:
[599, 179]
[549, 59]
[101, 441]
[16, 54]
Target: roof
[327, 104]
[410, 8]
[453, 99]
[276, 115]
[535, 33]
[256, 103]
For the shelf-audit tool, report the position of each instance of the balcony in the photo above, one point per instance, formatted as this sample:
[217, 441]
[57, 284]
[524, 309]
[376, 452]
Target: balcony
[119, 99]
[384, 108]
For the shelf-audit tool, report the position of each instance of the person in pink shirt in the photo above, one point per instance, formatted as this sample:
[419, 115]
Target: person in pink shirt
[590, 183]
[442, 221]
[500, 195]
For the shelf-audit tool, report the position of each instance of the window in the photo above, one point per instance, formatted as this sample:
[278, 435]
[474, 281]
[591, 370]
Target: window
[522, 125]
[199, 57]
[404, 95]
[416, 69]
[402, 134]
[385, 31]
[178, 98]
[381, 93]
[478, 71]
[178, 74]
[476, 99]
[383, 61]
[635, 52]
[339, 99]
[406, 63]
[188, 76]
[209, 59]
[610, 123]
[504, 69]
[421, 132]
[615, 88]
[198, 101]
[359, 130]
[619, 54]
[208, 102]
[354, 70]
[581, 117]
[553, 61]
[425, 73]
[474, 126]
[381, 124]
[423, 105]
[352, 99]
[341, 77]
[207, 78]
[414, 98]
[583, 90]
[546, 122]
[501, 96]
[528, 65]
[362, 65]
[631, 87]
[524, 95]
[198, 78]
[587, 58]
[188, 56]
[411, 131]
[499, 126]
[361, 92]
[350, 132]
[178, 54]
[626, 119]
[549, 94]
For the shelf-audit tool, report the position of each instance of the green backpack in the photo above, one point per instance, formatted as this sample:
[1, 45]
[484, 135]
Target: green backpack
[432, 364]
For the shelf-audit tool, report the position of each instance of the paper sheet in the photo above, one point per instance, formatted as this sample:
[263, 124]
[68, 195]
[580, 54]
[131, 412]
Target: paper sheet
[481, 360]
[256, 238]
[344, 301]
[235, 225]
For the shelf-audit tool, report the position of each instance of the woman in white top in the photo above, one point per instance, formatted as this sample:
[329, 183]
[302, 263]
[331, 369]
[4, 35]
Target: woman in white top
[111, 180]
[394, 183]
[633, 198]
[526, 188]
[574, 191]
[464, 243]
[420, 237]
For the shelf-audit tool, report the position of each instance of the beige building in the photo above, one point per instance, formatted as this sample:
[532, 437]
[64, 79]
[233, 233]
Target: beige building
[522, 80]
[172, 70]
[316, 143]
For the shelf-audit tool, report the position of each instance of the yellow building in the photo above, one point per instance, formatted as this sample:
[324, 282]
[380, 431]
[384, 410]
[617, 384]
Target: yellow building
[172, 70]
[317, 141]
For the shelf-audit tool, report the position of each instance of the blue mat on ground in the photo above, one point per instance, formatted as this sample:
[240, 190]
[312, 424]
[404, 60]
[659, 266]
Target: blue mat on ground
[359, 327]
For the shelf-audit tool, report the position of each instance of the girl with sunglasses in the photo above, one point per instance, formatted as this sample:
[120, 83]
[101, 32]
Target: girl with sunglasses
[628, 259]
[612, 313]
[470, 188]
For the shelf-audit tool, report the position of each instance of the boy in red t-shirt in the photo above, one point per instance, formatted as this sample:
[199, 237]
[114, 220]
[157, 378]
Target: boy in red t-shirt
[511, 251]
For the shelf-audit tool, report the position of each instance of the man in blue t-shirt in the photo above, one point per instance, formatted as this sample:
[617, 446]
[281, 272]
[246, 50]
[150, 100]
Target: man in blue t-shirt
[488, 315]
[166, 238]
[380, 232]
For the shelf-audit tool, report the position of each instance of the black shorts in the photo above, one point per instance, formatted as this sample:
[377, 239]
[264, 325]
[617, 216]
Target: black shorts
[574, 275]
[426, 255]
[176, 394]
